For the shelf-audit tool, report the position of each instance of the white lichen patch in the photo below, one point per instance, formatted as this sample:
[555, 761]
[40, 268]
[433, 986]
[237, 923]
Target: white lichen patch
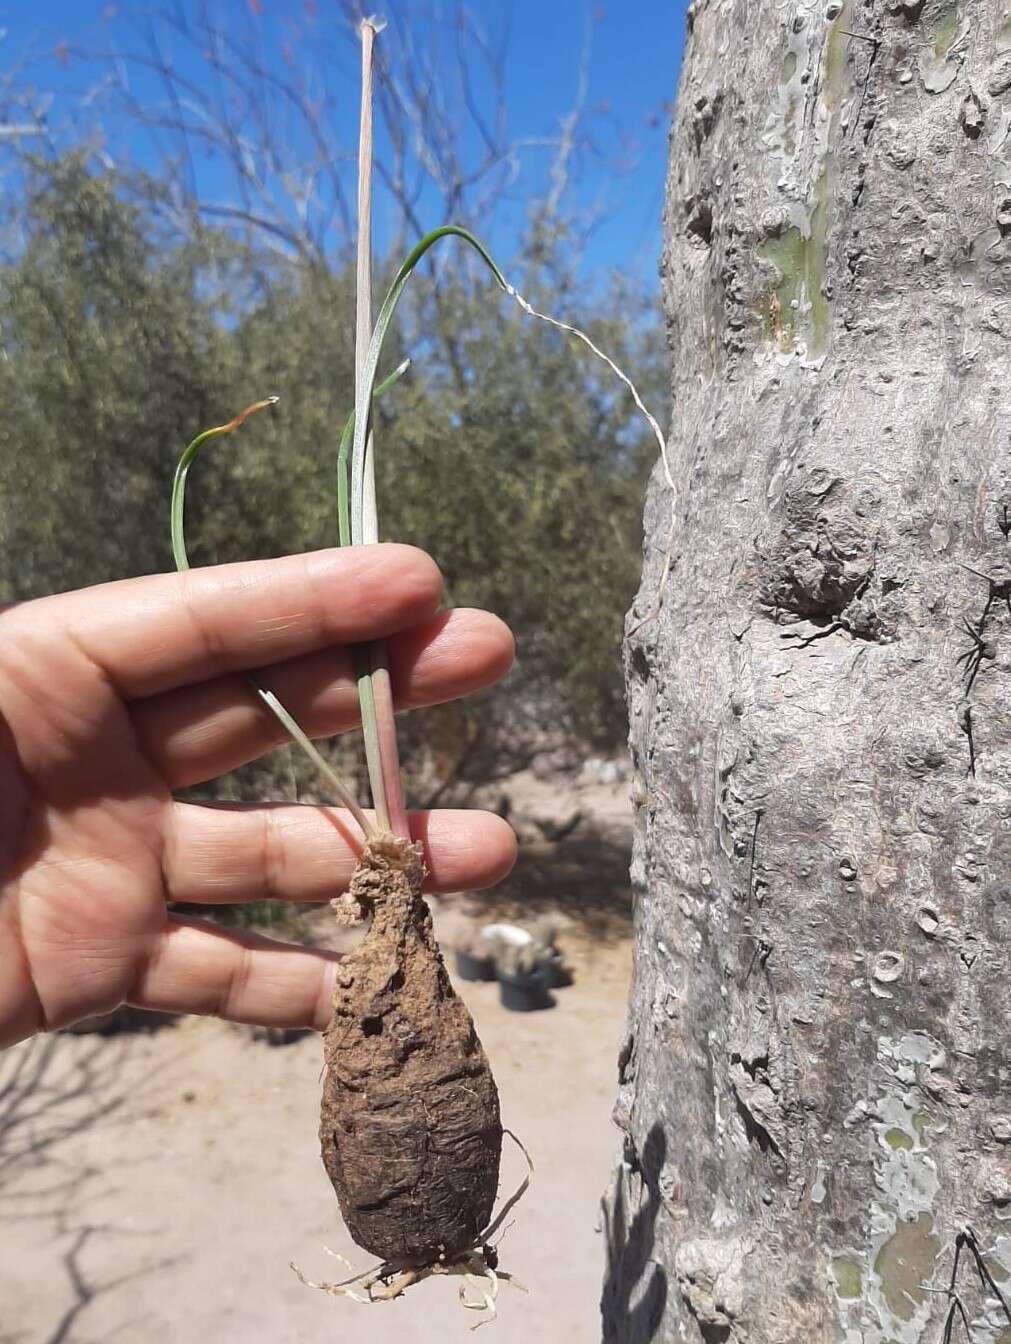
[785, 121]
[904, 1171]
[940, 57]
[819, 1190]
[998, 1260]
[916, 1047]
[881, 1287]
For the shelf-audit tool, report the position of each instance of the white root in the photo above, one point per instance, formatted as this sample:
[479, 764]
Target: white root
[334, 1289]
[471, 1263]
[487, 1296]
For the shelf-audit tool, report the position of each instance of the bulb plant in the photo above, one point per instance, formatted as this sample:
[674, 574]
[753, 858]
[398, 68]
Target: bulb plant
[410, 1131]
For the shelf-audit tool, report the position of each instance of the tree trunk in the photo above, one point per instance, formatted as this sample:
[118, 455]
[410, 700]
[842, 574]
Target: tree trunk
[815, 1092]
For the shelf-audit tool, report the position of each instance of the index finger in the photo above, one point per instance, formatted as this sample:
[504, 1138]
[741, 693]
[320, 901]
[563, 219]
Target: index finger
[156, 633]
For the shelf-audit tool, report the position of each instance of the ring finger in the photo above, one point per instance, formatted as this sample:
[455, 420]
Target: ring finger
[217, 855]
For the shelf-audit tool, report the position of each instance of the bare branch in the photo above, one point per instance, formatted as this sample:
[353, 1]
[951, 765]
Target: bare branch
[569, 126]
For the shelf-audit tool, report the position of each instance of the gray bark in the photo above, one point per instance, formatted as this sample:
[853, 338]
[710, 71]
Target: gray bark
[815, 1092]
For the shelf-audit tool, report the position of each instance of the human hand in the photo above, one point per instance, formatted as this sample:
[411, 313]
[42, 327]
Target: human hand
[113, 696]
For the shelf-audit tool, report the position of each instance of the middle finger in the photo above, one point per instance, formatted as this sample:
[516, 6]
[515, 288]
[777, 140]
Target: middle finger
[199, 732]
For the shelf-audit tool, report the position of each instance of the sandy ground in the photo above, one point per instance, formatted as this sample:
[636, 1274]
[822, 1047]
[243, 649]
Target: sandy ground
[155, 1185]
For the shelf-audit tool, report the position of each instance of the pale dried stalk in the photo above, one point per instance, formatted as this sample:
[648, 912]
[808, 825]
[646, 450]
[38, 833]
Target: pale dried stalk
[375, 690]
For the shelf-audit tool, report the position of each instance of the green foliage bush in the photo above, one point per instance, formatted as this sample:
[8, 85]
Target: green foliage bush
[506, 451]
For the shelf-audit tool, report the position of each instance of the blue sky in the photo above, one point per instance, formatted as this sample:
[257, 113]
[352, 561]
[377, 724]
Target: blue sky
[634, 57]
[634, 62]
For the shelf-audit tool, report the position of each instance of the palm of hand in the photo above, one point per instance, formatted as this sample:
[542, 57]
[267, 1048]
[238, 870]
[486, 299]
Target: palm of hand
[83, 900]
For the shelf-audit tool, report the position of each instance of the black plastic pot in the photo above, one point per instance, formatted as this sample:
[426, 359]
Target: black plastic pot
[474, 968]
[556, 974]
[525, 993]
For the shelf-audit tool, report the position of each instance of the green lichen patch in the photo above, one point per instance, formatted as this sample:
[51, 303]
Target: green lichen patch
[790, 255]
[898, 1138]
[789, 68]
[1004, 34]
[835, 59]
[904, 1262]
[800, 306]
[848, 1277]
[946, 32]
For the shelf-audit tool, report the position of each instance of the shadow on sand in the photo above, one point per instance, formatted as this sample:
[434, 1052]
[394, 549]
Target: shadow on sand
[53, 1087]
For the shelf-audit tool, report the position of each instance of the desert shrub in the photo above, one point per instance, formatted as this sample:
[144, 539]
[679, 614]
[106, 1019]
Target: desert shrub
[506, 451]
